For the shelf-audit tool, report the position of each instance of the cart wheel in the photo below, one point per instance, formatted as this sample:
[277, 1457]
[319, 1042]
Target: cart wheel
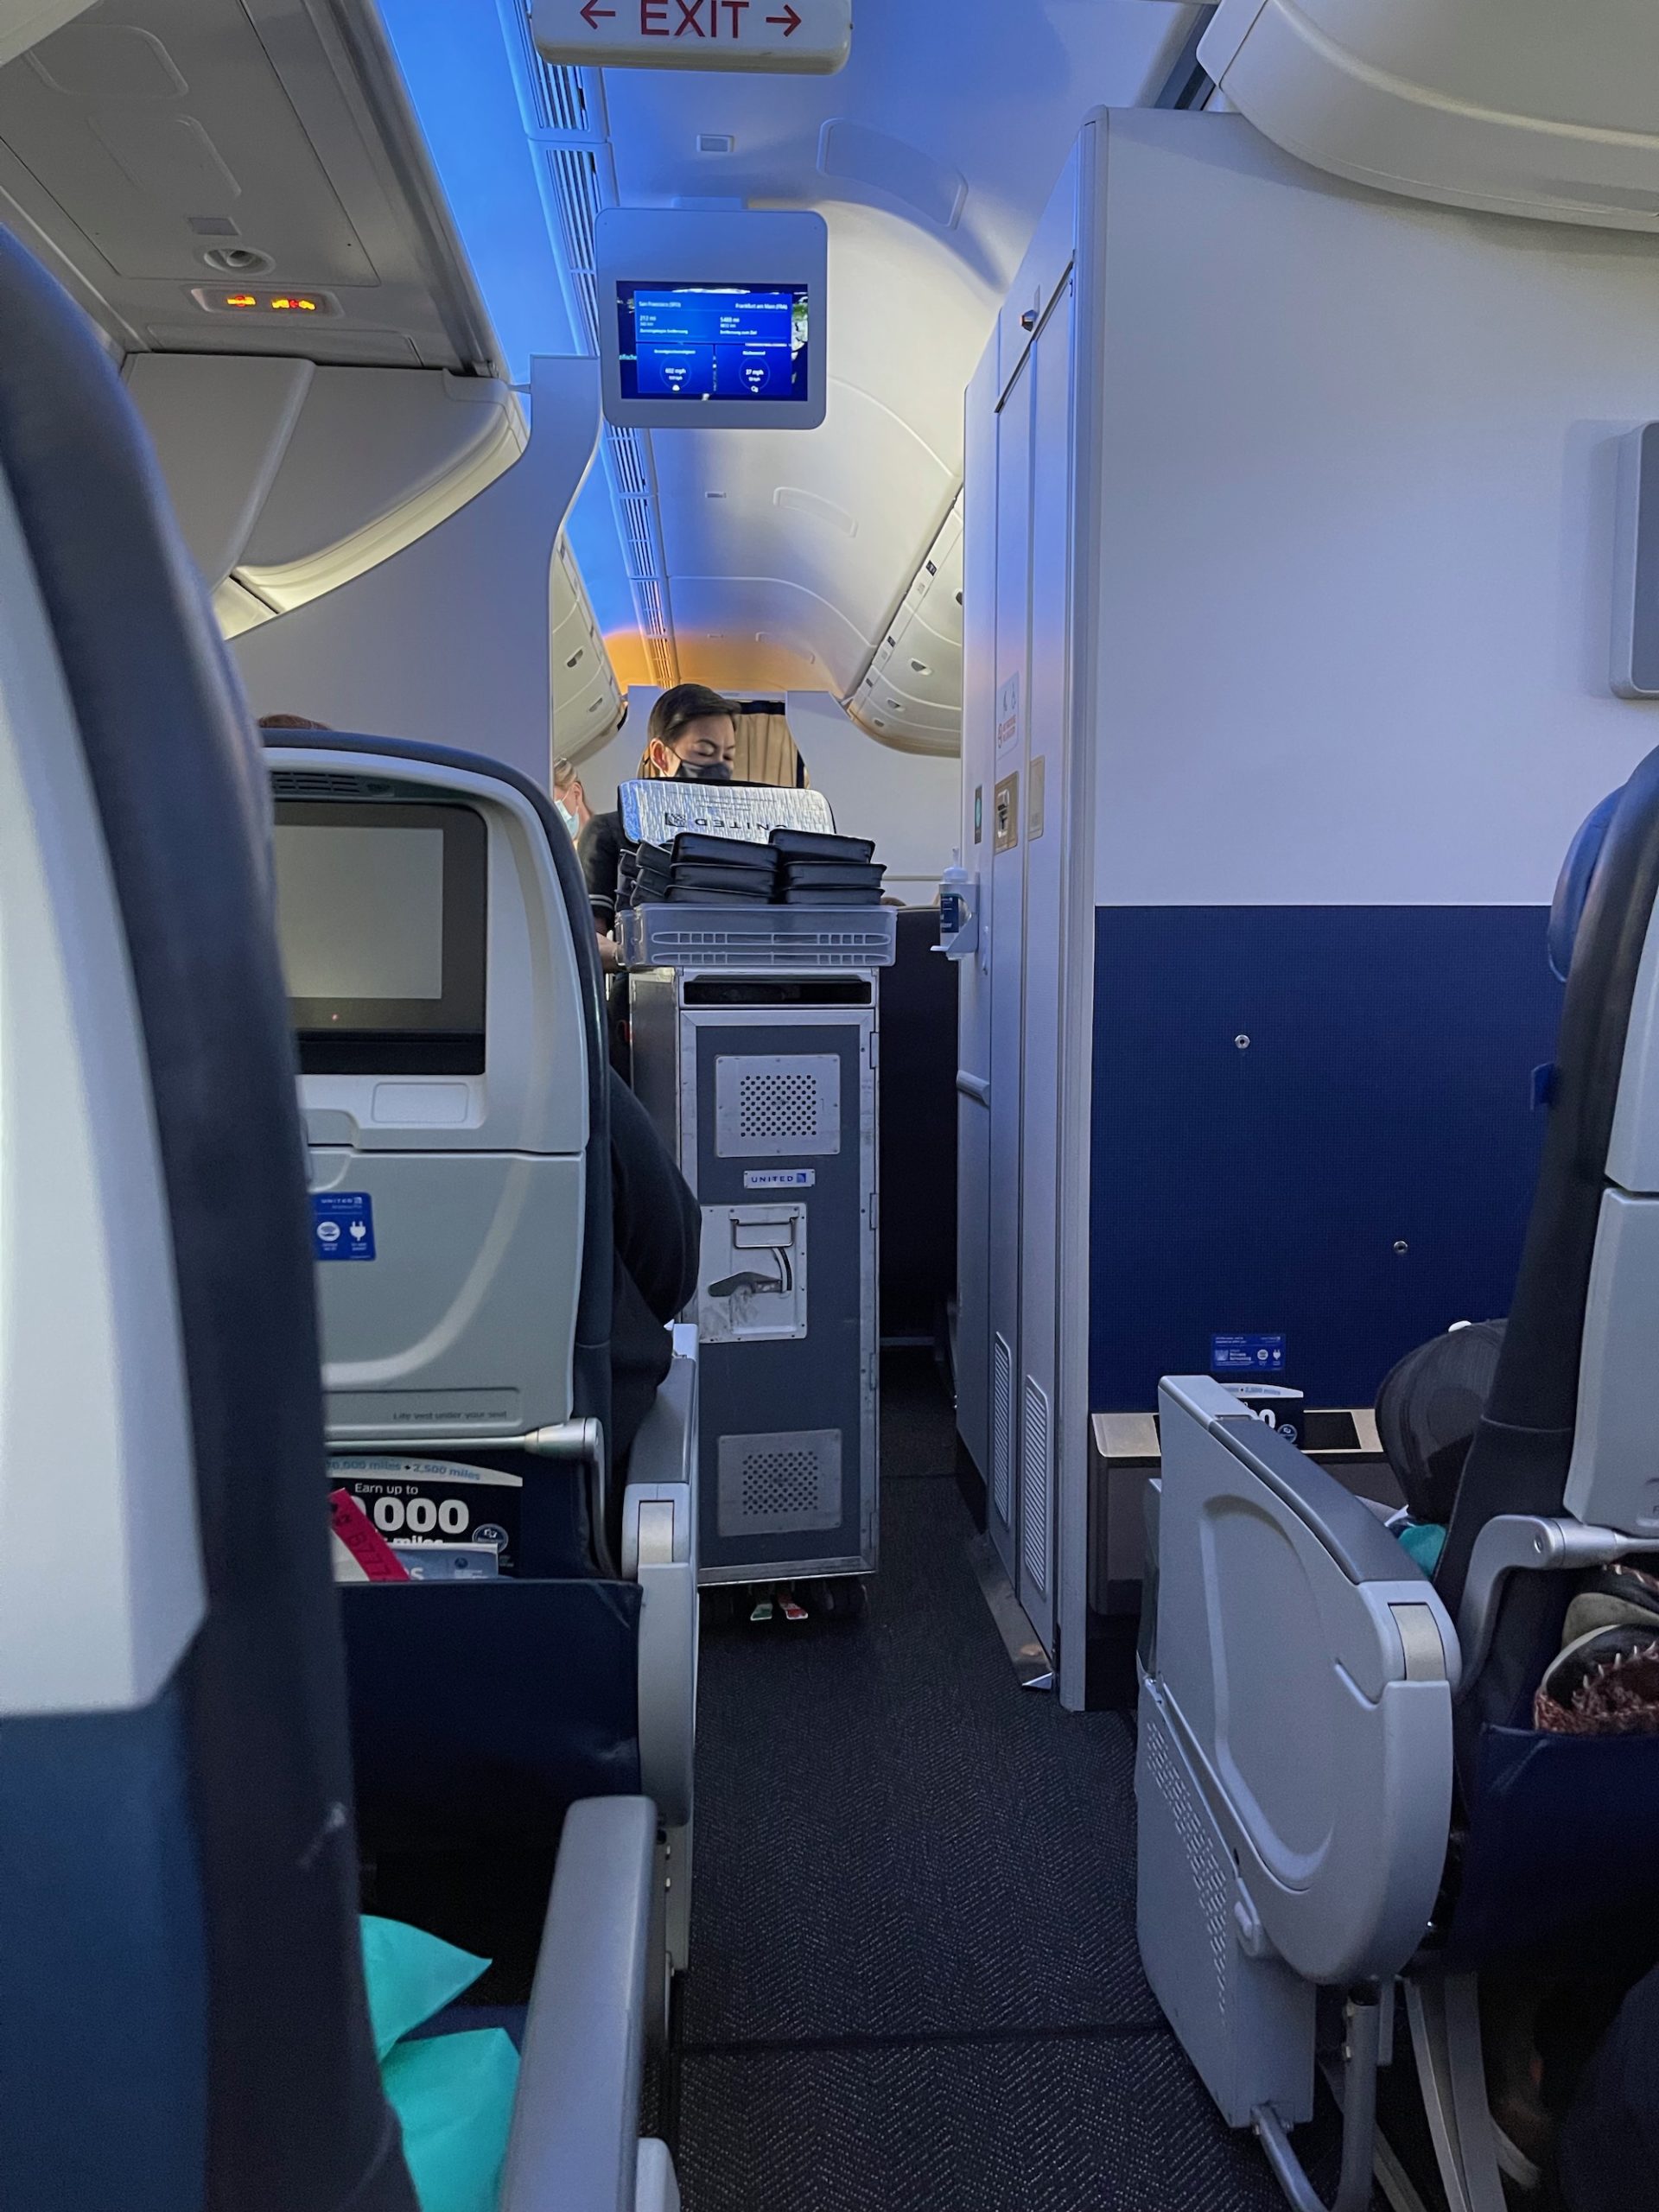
[841, 1597]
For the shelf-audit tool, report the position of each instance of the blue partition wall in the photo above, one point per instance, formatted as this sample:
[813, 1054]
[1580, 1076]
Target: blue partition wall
[1355, 1176]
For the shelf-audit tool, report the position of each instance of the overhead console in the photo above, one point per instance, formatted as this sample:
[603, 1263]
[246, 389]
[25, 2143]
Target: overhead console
[1544, 110]
[710, 321]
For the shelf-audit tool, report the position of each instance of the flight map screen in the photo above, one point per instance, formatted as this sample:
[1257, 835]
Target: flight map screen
[712, 341]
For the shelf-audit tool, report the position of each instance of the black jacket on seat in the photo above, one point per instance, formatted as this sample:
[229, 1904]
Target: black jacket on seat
[656, 1227]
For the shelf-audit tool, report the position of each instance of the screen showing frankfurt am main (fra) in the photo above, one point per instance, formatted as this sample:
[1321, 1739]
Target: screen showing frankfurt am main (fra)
[712, 341]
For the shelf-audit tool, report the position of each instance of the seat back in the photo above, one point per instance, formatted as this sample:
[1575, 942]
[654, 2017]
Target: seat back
[185, 2023]
[445, 985]
[766, 751]
[1567, 1423]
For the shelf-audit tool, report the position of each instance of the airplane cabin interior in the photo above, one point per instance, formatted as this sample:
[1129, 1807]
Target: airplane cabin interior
[828, 1106]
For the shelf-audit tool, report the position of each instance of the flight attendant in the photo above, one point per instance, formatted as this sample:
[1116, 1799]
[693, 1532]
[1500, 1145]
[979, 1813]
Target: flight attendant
[692, 737]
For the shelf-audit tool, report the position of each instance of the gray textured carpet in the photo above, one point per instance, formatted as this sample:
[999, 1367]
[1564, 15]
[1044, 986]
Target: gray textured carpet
[914, 1981]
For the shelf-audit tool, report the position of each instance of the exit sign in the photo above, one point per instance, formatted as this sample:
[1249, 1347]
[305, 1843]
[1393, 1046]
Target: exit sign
[810, 37]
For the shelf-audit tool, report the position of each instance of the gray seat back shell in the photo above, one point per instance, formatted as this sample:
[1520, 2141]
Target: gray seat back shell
[495, 1317]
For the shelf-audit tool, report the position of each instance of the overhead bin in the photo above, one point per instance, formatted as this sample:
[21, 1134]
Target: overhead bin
[290, 477]
[34, 20]
[911, 694]
[587, 697]
[241, 200]
[1539, 109]
[195, 141]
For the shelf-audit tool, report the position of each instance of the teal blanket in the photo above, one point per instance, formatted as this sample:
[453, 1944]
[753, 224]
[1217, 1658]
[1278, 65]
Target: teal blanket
[453, 2094]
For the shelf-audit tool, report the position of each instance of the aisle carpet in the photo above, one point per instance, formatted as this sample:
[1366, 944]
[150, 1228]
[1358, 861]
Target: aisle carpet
[914, 1982]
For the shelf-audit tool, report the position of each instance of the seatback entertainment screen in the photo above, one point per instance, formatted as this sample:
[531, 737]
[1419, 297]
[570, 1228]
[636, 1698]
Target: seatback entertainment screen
[382, 922]
[712, 342]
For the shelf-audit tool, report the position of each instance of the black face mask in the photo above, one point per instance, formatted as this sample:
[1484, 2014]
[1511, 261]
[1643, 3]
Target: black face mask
[703, 771]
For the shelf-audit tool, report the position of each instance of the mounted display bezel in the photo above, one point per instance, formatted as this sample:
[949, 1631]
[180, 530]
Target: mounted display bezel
[442, 1034]
[691, 252]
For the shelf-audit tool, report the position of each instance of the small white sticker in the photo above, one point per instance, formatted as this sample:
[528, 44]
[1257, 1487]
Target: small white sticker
[1008, 712]
[779, 1179]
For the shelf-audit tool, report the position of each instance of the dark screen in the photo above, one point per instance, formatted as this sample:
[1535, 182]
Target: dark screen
[381, 917]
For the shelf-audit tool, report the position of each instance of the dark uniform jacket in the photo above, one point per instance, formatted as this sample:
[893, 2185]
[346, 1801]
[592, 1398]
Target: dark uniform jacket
[657, 1228]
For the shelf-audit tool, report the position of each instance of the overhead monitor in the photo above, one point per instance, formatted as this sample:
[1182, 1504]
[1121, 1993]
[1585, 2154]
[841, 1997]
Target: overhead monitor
[713, 341]
[712, 321]
[381, 919]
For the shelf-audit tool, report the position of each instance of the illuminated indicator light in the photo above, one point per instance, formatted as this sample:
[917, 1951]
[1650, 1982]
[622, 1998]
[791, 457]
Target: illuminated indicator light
[240, 299]
[285, 303]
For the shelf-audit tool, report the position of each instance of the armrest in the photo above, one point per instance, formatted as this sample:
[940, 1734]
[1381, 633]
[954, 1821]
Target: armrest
[659, 1552]
[1512, 1541]
[574, 2146]
[663, 1466]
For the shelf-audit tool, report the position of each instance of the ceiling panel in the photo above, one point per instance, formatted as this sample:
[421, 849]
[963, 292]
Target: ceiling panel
[721, 515]
[763, 625]
[939, 143]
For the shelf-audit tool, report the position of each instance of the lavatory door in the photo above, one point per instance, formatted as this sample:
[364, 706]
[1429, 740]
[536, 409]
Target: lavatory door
[777, 1131]
[1027, 833]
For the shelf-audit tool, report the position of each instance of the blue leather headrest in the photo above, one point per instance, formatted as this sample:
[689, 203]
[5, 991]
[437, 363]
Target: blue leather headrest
[1572, 887]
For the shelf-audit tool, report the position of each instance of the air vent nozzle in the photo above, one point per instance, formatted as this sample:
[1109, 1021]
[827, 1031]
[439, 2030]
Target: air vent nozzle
[326, 782]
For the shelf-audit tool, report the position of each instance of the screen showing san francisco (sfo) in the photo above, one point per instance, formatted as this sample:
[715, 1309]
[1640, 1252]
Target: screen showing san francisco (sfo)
[712, 341]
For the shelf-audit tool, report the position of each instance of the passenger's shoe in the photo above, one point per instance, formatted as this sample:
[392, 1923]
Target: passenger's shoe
[1605, 1683]
[1623, 1596]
